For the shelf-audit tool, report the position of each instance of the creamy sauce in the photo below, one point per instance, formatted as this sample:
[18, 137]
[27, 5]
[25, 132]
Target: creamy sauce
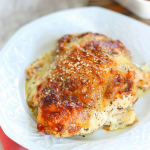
[38, 69]
[140, 92]
[33, 110]
[106, 127]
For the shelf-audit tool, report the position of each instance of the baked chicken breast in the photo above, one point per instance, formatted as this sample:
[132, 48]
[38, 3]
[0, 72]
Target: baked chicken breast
[87, 82]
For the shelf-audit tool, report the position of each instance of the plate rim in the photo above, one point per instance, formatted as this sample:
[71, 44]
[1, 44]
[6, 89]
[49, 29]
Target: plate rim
[12, 135]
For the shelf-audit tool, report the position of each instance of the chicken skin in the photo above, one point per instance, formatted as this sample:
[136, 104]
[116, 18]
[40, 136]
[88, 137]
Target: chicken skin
[88, 82]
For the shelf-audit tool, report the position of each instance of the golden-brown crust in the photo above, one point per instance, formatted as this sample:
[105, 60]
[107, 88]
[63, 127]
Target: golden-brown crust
[86, 77]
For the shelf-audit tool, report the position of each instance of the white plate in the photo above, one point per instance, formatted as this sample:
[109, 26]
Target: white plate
[40, 36]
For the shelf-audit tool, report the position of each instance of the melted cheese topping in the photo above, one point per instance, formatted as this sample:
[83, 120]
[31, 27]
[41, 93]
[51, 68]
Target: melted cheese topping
[93, 61]
[39, 69]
